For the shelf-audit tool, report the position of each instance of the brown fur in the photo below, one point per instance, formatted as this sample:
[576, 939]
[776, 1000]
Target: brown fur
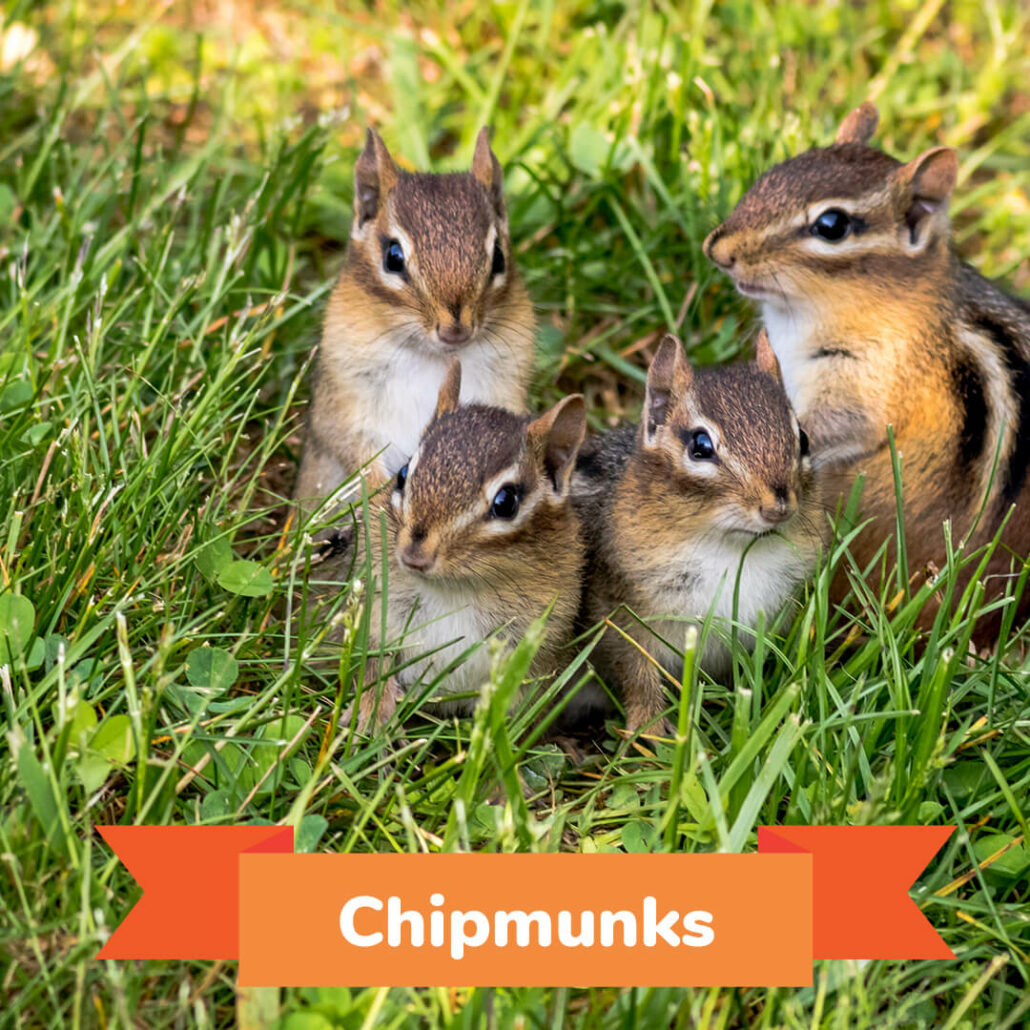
[388, 337]
[456, 571]
[889, 327]
[667, 538]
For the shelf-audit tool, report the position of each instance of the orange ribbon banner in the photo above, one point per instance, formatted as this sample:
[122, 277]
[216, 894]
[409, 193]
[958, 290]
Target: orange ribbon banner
[525, 920]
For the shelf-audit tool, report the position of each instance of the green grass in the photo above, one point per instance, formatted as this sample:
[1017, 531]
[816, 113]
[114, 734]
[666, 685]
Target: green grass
[172, 210]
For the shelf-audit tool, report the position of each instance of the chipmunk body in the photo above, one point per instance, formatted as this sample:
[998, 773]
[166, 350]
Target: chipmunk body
[715, 483]
[877, 322]
[429, 275]
[481, 537]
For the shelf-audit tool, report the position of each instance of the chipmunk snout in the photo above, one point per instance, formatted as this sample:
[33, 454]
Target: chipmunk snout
[454, 333]
[778, 505]
[414, 558]
[454, 322]
[718, 249]
[413, 551]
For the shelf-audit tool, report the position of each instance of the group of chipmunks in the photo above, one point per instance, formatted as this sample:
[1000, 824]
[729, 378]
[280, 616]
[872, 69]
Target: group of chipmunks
[715, 506]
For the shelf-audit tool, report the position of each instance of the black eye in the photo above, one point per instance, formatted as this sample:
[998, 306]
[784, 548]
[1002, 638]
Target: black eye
[803, 436]
[402, 477]
[832, 225]
[506, 502]
[701, 447]
[393, 257]
[497, 268]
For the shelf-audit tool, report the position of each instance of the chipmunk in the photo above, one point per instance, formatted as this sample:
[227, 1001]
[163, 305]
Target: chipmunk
[715, 482]
[481, 538]
[877, 322]
[429, 274]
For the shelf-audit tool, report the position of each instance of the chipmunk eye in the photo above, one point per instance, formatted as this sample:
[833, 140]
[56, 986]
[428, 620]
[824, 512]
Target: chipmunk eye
[701, 447]
[832, 225]
[506, 502]
[393, 257]
[402, 477]
[497, 268]
[803, 437]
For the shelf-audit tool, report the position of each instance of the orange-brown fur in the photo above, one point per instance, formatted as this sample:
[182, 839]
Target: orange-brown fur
[389, 337]
[889, 327]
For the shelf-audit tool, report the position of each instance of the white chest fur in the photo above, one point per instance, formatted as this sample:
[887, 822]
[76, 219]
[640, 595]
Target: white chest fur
[702, 578]
[397, 391]
[435, 628]
[790, 331]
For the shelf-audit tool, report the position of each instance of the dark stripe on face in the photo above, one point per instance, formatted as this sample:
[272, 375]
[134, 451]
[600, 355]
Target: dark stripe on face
[367, 275]
[1013, 474]
[968, 386]
[684, 434]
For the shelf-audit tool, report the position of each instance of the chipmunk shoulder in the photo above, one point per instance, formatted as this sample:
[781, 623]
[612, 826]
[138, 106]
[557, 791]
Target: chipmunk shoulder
[714, 486]
[429, 275]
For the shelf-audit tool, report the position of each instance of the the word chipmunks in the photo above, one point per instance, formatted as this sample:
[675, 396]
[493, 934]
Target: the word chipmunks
[482, 539]
[461, 929]
[429, 274]
[715, 483]
[877, 322]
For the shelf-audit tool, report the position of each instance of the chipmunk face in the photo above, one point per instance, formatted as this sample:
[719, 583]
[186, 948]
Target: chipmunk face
[433, 249]
[836, 219]
[727, 440]
[485, 490]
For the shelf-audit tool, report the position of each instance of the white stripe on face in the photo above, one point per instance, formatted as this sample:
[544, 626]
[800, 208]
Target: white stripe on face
[853, 207]
[512, 475]
[497, 281]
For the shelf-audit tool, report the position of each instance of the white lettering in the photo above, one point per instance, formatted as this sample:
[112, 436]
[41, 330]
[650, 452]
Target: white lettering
[350, 935]
[699, 930]
[502, 920]
[585, 938]
[459, 938]
[629, 928]
[396, 916]
[436, 925]
[653, 928]
[463, 929]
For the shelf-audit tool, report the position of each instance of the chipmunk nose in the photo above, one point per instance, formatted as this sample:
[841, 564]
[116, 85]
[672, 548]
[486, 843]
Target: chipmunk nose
[455, 333]
[411, 552]
[718, 250]
[413, 557]
[778, 506]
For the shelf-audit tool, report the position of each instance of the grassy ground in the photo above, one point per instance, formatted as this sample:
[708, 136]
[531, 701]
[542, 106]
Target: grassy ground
[174, 199]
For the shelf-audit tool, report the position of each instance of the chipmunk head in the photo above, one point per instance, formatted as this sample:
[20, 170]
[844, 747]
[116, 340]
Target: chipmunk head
[726, 440]
[834, 217]
[433, 249]
[487, 490]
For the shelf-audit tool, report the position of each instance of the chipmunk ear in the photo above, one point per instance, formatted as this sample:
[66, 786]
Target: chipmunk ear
[447, 399]
[925, 185]
[375, 175]
[555, 438]
[668, 379]
[486, 169]
[859, 125]
[765, 357]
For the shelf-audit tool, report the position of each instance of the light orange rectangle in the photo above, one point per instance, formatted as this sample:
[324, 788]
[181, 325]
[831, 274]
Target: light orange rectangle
[760, 907]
